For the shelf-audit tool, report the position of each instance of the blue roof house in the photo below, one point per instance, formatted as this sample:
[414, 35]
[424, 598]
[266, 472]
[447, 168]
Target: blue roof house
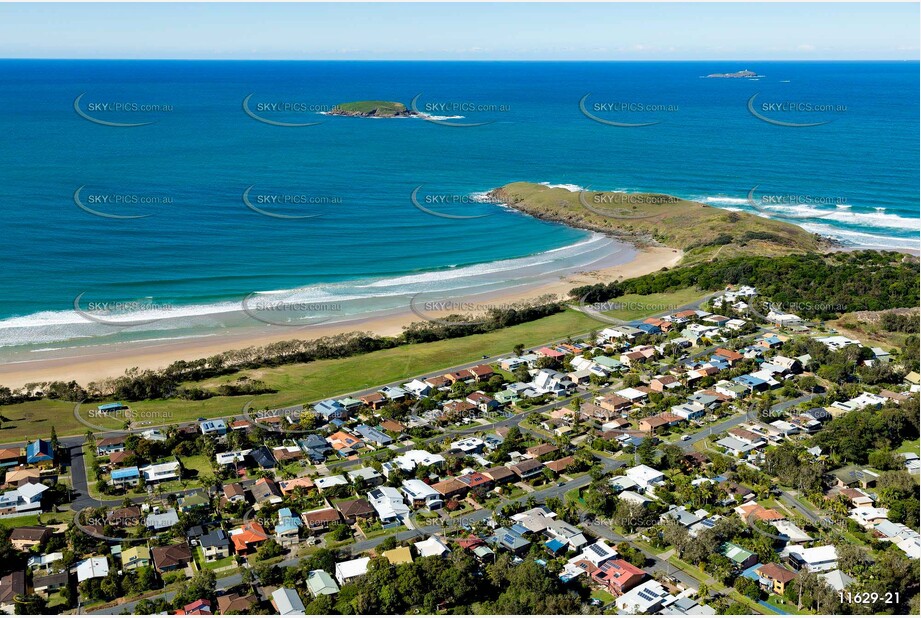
[39, 452]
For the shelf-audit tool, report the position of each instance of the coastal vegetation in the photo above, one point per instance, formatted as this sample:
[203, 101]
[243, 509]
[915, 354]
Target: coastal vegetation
[376, 109]
[701, 232]
[811, 286]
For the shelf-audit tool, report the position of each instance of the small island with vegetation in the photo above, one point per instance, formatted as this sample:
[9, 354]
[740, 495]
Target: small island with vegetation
[373, 109]
[737, 75]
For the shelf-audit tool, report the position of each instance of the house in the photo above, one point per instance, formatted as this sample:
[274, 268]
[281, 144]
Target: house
[375, 401]
[12, 586]
[107, 446]
[248, 537]
[774, 578]
[618, 576]
[739, 556]
[135, 558]
[25, 500]
[664, 383]
[199, 607]
[44, 562]
[418, 388]
[234, 492]
[527, 468]
[265, 490]
[837, 579]
[319, 582]
[328, 482]
[92, 568]
[509, 540]
[644, 476]
[541, 450]
[216, 427]
[10, 457]
[432, 546]
[365, 477]
[44, 585]
[354, 510]
[330, 410]
[344, 442]
[287, 603]
[371, 435]
[398, 555]
[421, 494]
[351, 569]
[652, 424]
[39, 453]
[162, 520]
[235, 603]
[125, 477]
[302, 483]
[500, 475]
[646, 598]
[389, 505]
[232, 458]
[483, 402]
[28, 537]
[689, 411]
[319, 520]
[161, 473]
[215, 545]
[560, 465]
[171, 557]
[611, 403]
[193, 501]
[814, 559]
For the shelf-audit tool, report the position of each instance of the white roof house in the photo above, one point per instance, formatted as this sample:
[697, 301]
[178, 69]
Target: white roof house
[388, 503]
[326, 482]
[26, 499]
[233, 457]
[837, 579]
[648, 597]
[644, 476]
[350, 569]
[432, 546]
[815, 559]
[158, 473]
[416, 457]
[91, 568]
[287, 602]
[418, 491]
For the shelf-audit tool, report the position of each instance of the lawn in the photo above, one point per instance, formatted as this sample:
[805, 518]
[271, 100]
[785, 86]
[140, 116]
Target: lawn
[304, 382]
[603, 595]
[909, 446]
[216, 564]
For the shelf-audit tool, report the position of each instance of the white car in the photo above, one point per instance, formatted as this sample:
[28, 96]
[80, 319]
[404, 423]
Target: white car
[685, 438]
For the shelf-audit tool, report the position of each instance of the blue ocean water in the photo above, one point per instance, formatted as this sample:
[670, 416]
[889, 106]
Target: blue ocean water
[198, 246]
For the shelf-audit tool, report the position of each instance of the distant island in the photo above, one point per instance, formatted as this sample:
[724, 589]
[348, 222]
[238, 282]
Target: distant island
[736, 75]
[373, 109]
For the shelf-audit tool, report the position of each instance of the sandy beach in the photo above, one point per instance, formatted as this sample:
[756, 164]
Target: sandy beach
[112, 360]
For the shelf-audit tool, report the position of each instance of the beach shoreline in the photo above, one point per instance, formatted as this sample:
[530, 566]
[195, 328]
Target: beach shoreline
[85, 365]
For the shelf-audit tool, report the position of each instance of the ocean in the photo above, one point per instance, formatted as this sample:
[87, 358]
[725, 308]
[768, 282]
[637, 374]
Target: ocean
[140, 190]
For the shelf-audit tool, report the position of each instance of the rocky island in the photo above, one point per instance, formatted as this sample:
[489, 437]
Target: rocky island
[373, 109]
[736, 75]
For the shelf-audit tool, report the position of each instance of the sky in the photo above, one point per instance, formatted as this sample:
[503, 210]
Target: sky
[475, 31]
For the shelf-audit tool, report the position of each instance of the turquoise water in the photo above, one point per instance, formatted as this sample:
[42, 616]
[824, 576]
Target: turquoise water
[196, 251]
